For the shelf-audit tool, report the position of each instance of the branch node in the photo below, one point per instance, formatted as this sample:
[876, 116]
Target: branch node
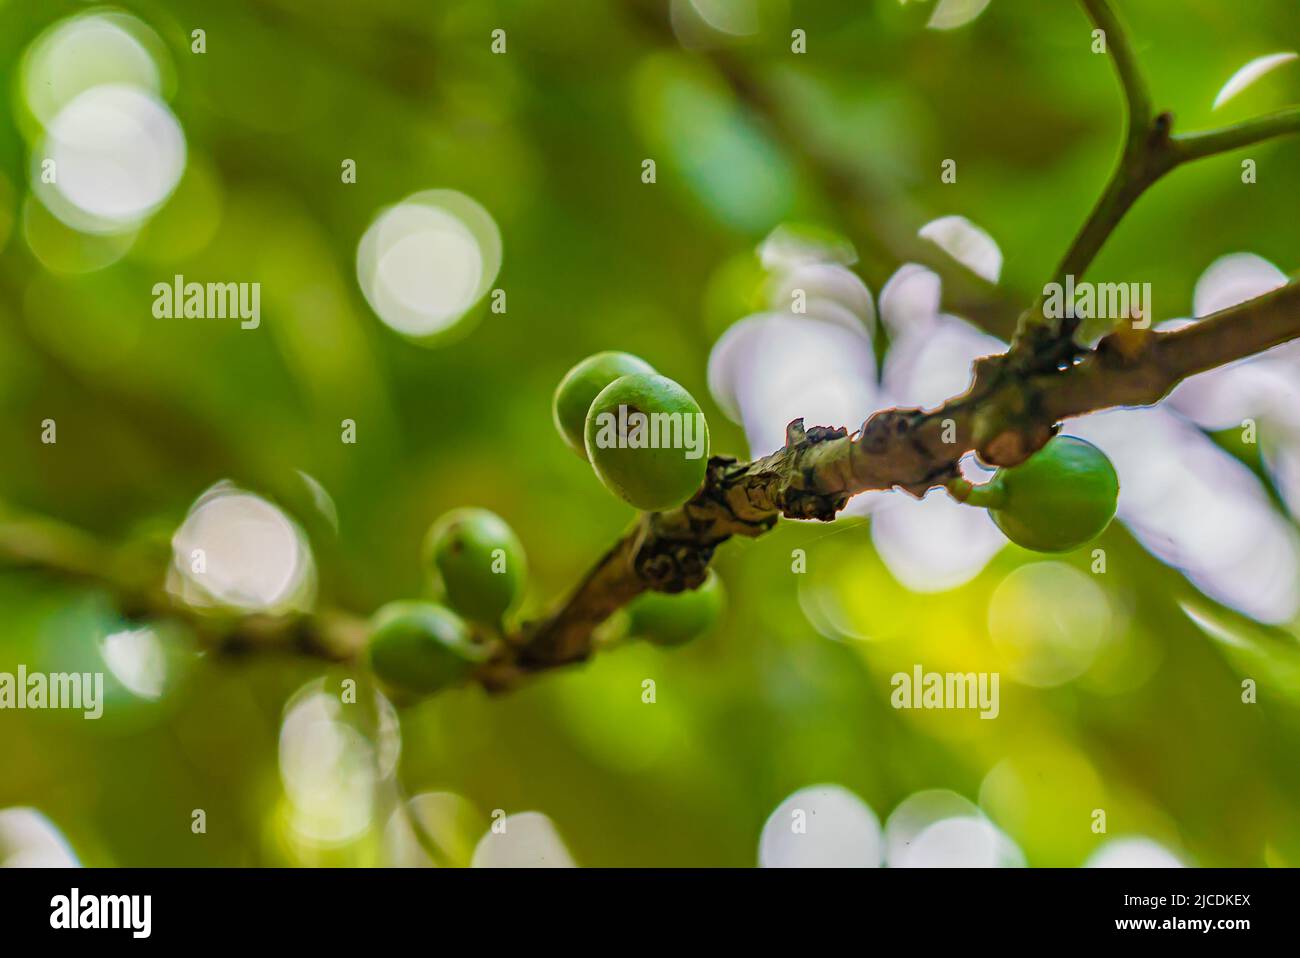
[823, 433]
[803, 495]
[883, 428]
[1124, 346]
[806, 504]
[672, 566]
[1161, 128]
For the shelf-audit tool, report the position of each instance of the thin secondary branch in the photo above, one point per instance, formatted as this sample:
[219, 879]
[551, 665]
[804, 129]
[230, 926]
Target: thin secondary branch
[1137, 97]
[134, 581]
[1150, 151]
[1196, 146]
[1141, 163]
[1135, 173]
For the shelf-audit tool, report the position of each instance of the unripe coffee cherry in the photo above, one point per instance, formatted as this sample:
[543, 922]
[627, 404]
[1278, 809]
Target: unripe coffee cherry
[677, 618]
[421, 647]
[477, 563]
[1056, 500]
[580, 386]
[648, 441]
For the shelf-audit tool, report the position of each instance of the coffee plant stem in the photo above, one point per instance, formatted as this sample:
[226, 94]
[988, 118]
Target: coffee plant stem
[1150, 151]
[1014, 404]
[1005, 416]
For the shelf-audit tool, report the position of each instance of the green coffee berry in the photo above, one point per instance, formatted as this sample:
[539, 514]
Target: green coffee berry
[477, 563]
[677, 618]
[580, 386]
[647, 441]
[1056, 500]
[421, 647]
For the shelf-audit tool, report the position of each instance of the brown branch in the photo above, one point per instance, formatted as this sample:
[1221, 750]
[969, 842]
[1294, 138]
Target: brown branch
[133, 580]
[1150, 151]
[1004, 417]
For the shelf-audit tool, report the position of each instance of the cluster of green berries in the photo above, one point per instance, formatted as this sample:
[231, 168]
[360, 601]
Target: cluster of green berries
[1061, 497]
[644, 435]
[599, 400]
[1056, 500]
[674, 619]
[476, 564]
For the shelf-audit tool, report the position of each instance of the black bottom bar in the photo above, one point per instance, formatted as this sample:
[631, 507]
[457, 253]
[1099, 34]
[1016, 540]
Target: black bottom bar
[332, 908]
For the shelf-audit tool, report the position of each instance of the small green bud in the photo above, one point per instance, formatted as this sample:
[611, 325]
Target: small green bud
[671, 619]
[1056, 500]
[648, 441]
[421, 647]
[477, 562]
[581, 385]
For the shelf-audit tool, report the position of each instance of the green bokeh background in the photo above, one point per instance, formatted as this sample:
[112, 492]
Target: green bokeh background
[549, 138]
